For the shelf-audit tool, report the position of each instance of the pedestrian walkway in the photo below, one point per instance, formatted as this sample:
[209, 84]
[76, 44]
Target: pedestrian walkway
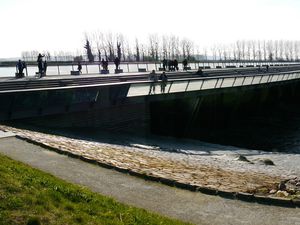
[195, 207]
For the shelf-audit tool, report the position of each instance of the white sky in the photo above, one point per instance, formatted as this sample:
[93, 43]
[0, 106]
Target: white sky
[60, 24]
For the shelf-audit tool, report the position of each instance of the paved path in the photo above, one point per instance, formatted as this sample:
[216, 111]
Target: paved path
[172, 202]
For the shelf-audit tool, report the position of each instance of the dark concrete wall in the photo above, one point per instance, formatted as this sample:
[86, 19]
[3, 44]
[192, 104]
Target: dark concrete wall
[228, 115]
[191, 114]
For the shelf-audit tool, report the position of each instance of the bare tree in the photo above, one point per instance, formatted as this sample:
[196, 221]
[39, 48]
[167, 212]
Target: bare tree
[276, 49]
[270, 49]
[214, 52]
[189, 47]
[98, 39]
[287, 51]
[152, 46]
[165, 43]
[264, 50]
[296, 49]
[110, 46]
[137, 50]
[253, 47]
[88, 48]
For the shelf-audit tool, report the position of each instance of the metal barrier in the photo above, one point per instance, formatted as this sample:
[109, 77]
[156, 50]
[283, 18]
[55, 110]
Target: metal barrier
[132, 67]
[198, 84]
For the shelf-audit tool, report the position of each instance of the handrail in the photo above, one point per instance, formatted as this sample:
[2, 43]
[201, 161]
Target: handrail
[94, 68]
[218, 83]
[203, 79]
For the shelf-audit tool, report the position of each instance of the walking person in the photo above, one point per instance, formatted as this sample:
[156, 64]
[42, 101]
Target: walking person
[175, 62]
[103, 64]
[40, 64]
[45, 65]
[19, 68]
[117, 63]
[106, 65]
[164, 79]
[25, 67]
[153, 78]
[79, 67]
[164, 62]
[185, 63]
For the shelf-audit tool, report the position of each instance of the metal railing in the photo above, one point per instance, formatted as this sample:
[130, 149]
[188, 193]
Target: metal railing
[132, 67]
[198, 84]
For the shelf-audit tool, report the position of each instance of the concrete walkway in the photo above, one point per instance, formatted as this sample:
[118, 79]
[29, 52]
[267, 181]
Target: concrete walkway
[172, 202]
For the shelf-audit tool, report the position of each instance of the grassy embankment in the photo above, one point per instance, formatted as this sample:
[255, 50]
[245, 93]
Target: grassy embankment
[29, 196]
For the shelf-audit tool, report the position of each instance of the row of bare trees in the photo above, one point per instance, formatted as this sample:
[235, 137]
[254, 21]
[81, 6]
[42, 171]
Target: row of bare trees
[251, 50]
[109, 45]
[99, 45]
[31, 56]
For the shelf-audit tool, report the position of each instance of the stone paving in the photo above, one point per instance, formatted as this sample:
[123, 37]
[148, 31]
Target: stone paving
[159, 164]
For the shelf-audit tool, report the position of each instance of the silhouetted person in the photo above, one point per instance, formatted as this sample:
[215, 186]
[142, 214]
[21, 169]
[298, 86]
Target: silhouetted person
[25, 67]
[164, 79]
[175, 62]
[40, 63]
[19, 68]
[185, 63]
[117, 62]
[199, 72]
[153, 78]
[104, 64]
[45, 65]
[165, 62]
[267, 68]
[79, 67]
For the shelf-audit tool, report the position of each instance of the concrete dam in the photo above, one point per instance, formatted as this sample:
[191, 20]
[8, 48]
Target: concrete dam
[190, 105]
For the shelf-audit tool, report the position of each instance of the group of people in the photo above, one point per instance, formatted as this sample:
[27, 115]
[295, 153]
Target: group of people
[104, 64]
[42, 65]
[21, 65]
[172, 65]
[154, 78]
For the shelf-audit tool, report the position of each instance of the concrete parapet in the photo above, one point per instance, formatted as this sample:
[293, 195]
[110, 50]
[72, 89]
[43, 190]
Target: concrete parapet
[119, 71]
[75, 72]
[142, 70]
[104, 71]
[19, 75]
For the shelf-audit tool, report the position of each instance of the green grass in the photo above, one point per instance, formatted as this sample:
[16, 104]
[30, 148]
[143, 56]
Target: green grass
[29, 196]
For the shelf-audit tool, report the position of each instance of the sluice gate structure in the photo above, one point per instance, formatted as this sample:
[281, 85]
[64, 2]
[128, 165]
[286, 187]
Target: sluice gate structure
[132, 102]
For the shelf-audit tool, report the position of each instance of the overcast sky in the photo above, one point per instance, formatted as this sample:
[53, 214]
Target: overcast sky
[60, 24]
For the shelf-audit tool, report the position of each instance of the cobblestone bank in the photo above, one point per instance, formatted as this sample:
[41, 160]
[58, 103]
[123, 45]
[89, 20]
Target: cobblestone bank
[185, 169]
